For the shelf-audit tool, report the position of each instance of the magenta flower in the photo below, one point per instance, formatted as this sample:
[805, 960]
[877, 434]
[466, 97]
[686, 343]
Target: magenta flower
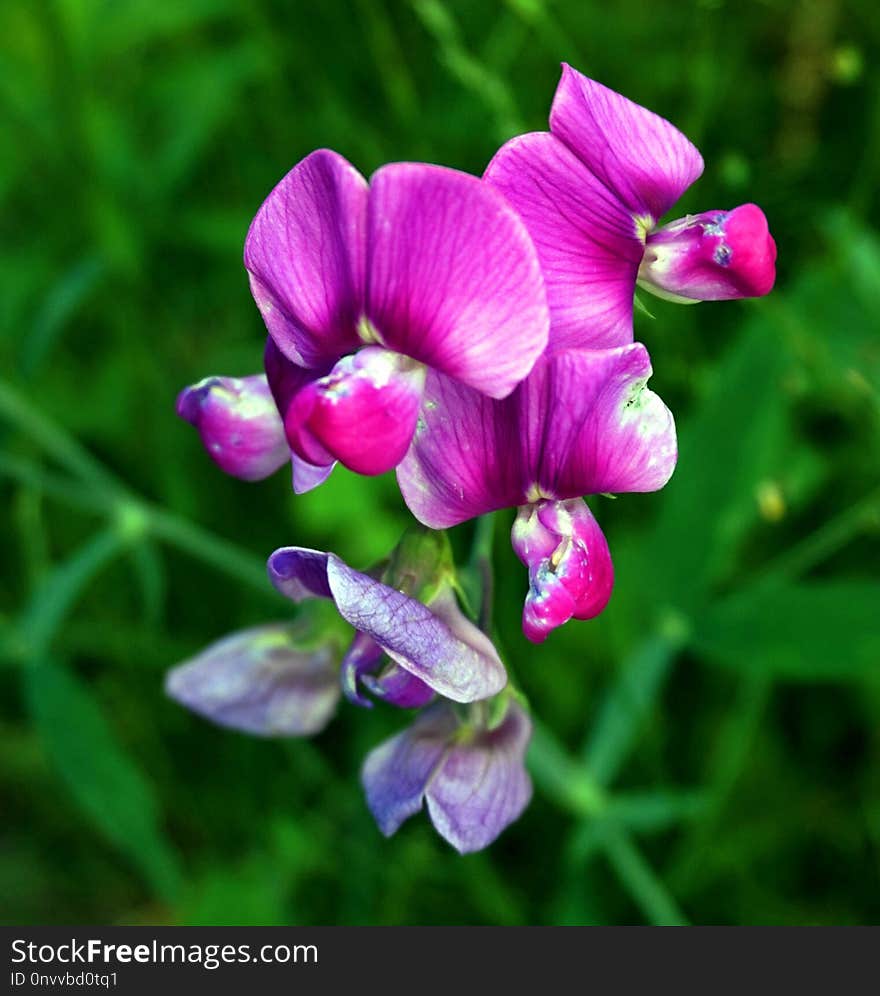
[239, 424]
[591, 192]
[430, 648]
[582, 423]
[473, 779]
[364, 288]
[262, 681]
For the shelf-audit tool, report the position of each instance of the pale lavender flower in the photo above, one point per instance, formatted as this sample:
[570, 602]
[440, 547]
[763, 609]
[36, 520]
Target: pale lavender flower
[592, 191]
[431, 648]
[265, 681]
[471, 778]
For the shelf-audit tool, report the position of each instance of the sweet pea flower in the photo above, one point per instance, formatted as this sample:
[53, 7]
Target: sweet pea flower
[431, 648]
[591, 192]
[471, 777]
[267, 681]
[364, 288]
[239, 424]
[582, 423]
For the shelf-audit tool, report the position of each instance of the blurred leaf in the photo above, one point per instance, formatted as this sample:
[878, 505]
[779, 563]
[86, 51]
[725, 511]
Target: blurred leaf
[104, 781]
[823, 631]
[734, 440]
[657, 810]
[150, 573]
[628, 702]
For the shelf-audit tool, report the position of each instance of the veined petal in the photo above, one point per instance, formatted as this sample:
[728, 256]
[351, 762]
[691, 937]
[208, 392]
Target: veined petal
[642, 158]
[239, 424]
[447, 658]
[587, 241]
[582, 423]
[259, 681]
[305, 254]
[713, 256]
[481, 786]
[363, 413]
[453, 278]
[396, 773]
[474, 781]
[466, 457]
[415, 637]
[365, 664]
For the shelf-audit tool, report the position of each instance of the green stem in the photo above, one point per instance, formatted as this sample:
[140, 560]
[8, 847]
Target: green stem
[481, 567]
[53, 439]
[646, 889]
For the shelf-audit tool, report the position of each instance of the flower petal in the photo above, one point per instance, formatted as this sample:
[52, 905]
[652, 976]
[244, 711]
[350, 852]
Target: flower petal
[305, 253]
[415, 637]
[285, 380]
[607, 431]
[363, 413]
[582, 423]
[447, 656]
[639, 156]
[396, 773]
[454, 280]
[481, 785]
[570, 569]
[239, 424]
[588, 243]
[260, 682]
[466, 457]
[713, 256]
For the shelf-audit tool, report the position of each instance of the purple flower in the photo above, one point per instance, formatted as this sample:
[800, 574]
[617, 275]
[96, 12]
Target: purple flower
[268, 681]
[473, 779]
[364, 288]
[583, 423]
[591, 191]
[432, 648]
[239, 424]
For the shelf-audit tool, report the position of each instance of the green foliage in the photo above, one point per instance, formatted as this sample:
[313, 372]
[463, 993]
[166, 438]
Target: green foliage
[708, 749]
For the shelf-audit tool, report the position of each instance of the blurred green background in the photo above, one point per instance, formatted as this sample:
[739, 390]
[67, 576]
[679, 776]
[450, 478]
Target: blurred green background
[709, 749]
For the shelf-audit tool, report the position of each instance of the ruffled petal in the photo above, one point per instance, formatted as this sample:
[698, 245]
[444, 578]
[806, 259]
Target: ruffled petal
[396, 773]
[305, 254]
[259, 681]
[639, 156]
[713, 256]
[363, 413]
[606, 432]
[239, 424]
[481, 785]
[588, 243]
[454, 280]
[451, 661]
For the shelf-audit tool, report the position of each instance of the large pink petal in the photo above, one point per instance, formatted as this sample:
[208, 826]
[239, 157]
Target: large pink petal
[363, 413]
[641, 157]
[453, 278]
[589, 245]
[305, 254]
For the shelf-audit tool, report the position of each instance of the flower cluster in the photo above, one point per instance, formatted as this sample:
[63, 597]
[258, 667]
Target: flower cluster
[476, 336]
